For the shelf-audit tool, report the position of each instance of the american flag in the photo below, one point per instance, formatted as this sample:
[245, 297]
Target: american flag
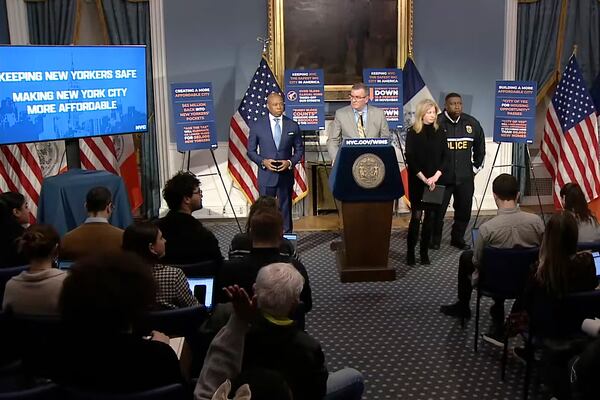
[570, 143]
[254, 106]
[115, 154]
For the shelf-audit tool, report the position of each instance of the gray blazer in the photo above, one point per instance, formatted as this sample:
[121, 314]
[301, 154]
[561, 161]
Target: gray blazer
[344, 127]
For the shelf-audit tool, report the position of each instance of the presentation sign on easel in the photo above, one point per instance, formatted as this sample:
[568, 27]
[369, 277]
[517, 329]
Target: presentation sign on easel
[194, 116]
[385, 92]
[514, 116]
[304, 98]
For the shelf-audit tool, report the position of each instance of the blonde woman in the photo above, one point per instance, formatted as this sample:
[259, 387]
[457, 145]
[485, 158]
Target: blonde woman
[426, 155]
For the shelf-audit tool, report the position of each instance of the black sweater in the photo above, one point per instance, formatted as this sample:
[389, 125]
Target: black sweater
[188, 241]
[426, 152]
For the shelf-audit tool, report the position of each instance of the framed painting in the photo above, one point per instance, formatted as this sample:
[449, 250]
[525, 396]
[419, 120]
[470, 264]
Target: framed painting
[340, 36]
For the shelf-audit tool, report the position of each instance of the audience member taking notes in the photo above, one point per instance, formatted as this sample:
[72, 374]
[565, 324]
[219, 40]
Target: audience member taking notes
[172, 290]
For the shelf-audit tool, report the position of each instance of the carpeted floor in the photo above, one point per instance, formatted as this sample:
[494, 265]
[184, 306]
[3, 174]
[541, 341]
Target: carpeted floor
[394, 333]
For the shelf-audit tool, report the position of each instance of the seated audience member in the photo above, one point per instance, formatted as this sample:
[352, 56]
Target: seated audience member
[510, 228]
[101, 300]
[275, 342]
[172, 289]
[188, 241]
[96, 234]
[241, 244]
[222, 364]
[266, 230]
[36, 290]
[561, 269]
[14, 213]
[573, 199]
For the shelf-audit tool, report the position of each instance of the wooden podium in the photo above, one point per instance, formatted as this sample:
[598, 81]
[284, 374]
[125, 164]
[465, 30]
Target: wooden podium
[366, 180]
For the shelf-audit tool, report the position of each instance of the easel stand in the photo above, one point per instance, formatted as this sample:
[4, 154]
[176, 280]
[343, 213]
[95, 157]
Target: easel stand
[212, 153]
[487, 183]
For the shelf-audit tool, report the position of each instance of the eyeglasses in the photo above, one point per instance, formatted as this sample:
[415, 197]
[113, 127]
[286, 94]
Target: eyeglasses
[197, 191]
[357, 97]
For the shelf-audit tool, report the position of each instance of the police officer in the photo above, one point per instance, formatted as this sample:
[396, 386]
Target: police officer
[466, 144]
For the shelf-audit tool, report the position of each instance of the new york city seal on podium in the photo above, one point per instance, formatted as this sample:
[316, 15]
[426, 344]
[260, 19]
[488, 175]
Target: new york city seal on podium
[368, 171]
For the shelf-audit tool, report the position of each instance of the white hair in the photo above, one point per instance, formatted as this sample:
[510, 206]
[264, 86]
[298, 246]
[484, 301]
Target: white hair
[278, 288]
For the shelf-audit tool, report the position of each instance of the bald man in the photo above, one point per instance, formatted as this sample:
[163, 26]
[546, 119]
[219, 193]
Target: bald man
[275, 145]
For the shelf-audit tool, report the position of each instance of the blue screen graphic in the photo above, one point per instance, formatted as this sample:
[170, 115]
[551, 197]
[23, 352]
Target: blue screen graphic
[64, 92]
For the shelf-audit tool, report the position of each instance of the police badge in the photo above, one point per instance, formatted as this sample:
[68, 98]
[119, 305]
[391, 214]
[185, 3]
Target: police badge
[469, 129]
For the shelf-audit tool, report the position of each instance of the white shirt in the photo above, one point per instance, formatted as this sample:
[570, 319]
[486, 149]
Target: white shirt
[95, 219]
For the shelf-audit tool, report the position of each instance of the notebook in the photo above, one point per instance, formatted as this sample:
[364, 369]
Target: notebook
[435, 196]
[203, 290]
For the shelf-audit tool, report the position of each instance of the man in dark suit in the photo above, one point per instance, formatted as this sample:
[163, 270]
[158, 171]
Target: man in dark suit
[275, 145]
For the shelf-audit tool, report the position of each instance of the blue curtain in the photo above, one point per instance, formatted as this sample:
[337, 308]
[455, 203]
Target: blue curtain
[537, 35]
[129, 23]
[4, 34]
[583, 30]
[51, 21]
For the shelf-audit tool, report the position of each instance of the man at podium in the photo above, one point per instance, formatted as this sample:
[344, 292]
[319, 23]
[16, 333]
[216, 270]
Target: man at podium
[358, 120]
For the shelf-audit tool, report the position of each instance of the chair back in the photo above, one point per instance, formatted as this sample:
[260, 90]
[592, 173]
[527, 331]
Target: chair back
[48, 391]
[6, 274]
[205, 268]
[177, 322]
[35, 337]
[504, 273]
[562, 318]
[591, 246]
[170, 392]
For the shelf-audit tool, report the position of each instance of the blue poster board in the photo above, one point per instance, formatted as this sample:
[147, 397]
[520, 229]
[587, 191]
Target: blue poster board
[514, 116]
[304, 98]
[194, 116]
[385, 92]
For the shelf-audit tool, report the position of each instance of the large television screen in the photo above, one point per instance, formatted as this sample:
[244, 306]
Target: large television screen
[64, 92]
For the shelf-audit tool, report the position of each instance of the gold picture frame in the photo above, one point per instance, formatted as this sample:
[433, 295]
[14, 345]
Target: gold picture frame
[337, 84]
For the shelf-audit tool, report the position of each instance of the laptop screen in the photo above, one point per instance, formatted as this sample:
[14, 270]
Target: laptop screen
[596, 256]
[65, 264]
[202, 288]
[292, 237]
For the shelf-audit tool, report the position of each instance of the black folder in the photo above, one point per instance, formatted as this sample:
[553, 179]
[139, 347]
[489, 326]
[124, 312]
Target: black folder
[435, 196]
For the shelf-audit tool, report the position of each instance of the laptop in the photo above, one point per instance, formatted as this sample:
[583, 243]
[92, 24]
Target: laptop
[65, 264]
[292, 237]
[202, 288]
[474, 234]
[596, 256]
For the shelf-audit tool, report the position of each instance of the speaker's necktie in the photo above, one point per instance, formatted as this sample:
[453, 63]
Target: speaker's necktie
[277, 135]
[361, 126]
